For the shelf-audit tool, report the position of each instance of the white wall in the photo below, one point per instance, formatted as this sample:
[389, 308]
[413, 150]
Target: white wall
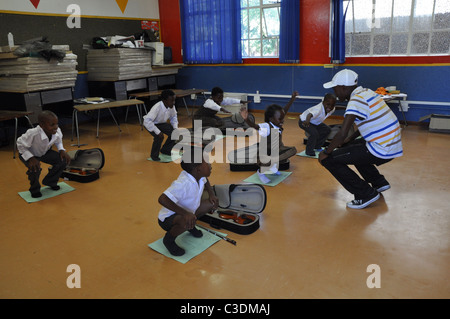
[143, 9]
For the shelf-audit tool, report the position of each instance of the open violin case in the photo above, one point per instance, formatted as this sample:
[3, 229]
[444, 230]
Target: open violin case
[85, 165]
[239, 208]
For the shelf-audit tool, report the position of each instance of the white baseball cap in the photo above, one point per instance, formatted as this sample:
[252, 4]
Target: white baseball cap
[345, 77]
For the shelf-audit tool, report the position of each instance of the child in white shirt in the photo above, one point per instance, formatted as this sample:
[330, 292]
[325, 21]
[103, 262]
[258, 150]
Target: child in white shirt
[207, 113]
[35, 146]
[311, 121]
[156, 124]
[273, 124]
[182, 201]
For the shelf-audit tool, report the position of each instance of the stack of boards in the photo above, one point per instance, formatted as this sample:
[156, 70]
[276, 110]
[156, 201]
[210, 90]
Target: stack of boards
[119, 64]
[30, 74]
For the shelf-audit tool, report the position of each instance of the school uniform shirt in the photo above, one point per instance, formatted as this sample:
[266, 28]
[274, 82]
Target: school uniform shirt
[264, 129]
[318, 114]
[160, 114]
[379, 125]
[34, 142]
[210, 104]
[186, 192]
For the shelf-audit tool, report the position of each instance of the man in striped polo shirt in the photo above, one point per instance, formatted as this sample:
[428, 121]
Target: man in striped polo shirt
[380, 143]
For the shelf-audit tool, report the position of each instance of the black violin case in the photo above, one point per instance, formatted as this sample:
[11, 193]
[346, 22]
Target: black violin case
[334, 129]
[245, 159]
[85, 165]
[239, 208]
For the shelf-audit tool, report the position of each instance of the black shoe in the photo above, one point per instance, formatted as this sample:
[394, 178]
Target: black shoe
[167, 154]
[172, 247]
[156, 159]
[55, 188]
[197, 233]
[313, 154]
[382, 188]
[36, 195]
[362, 203]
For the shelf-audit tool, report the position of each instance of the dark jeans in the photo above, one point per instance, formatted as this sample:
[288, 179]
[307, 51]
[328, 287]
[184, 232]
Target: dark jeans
[167, 129]
[317, 136]
[357, 154]
[51, 179]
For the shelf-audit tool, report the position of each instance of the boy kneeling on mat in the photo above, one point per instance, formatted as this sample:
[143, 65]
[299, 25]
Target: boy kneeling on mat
[35, 146]
[182, 201]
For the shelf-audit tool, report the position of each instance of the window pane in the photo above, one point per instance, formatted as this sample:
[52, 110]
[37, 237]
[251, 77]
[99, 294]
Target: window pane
[401, 15]
[255, 23]
[361, 44]
[245, 51]
[383, 12]
[420, 43]
[349, 17]
[260, 25]
[255, 47]
[244, 24]
[399, 44]
[348, 44]
[441, 15]
[440, 42]
[272, 22]
[270, 47]
[423, 9]
[363, 15]
[244, 3]
[381, 44]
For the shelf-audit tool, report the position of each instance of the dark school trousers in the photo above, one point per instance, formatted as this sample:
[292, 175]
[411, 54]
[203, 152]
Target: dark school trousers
[51, 179]
[317, 135]
[166, 149]
[357, 154]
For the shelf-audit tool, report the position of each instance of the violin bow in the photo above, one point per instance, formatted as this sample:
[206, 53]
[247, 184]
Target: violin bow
[231, 241]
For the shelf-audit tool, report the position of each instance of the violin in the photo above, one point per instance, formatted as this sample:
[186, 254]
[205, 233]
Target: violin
[82, 171]
[242, 219]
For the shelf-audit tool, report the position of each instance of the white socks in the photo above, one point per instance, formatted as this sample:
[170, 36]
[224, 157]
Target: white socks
[263, 177]
[272, 170]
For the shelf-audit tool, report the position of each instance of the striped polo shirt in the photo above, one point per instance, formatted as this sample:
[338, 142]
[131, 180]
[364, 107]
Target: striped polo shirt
[379, 126]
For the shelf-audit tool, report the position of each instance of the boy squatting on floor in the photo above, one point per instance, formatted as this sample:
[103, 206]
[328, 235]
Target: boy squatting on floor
[35, 146]
[182, 201]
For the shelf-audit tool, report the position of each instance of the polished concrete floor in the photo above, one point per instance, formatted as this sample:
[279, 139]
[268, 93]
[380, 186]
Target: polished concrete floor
[309, 244]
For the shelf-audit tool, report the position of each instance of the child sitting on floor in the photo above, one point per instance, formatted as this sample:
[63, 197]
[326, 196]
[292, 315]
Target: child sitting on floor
[182, 201]
[207, 113]
[311, 121]
[273, 124]
[156, 124]
[35, 146]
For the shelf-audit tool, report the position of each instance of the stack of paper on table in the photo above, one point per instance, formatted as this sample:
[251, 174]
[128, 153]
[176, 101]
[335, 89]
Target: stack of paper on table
[119, 64]
[36, 73]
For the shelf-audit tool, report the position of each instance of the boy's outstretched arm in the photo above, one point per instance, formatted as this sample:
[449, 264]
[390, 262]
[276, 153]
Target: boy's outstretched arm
[291, 101]
[189, 217]
[244, 114]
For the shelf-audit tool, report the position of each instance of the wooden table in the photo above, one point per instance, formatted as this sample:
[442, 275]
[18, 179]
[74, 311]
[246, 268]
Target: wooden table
[6, 115]
[179, 94]
[100, 106]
